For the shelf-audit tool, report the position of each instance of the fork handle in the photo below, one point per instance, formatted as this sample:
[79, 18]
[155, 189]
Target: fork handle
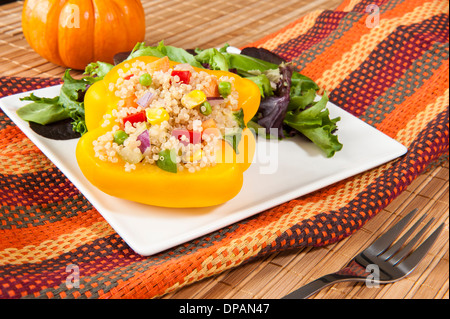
[322, 282]
[314, 286]
[352, 272]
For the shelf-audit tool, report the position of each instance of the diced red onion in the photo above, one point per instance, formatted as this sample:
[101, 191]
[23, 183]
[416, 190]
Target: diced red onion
[215, 100]
[145, 100]
[144, 138]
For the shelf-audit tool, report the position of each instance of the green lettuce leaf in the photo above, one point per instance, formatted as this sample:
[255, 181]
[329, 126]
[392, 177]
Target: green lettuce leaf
[243, 64]
[140, 49]
[69, 99]
[301, 83]
[43, 110]
[263, 83]
[178, 54]
[301, 101]
[96, 71]
[316, 125]
[161, 50]
[214, 58]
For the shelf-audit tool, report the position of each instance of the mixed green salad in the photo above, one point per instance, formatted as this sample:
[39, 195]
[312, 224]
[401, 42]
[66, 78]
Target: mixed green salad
[289, 101]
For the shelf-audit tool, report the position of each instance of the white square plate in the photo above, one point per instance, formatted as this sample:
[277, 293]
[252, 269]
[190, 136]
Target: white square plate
[281, 171]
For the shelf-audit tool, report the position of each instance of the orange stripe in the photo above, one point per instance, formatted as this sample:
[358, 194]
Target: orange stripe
[406, 135]
[19, 155]
[344, 44]
[54, 248]
[286, 29]
[19, 238]
[412, 105]
[13, 141]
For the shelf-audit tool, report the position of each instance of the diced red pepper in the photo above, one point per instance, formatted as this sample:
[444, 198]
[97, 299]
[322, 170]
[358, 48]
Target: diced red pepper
[194, 137]
[185, 76]
[135, 118]
[128, 77]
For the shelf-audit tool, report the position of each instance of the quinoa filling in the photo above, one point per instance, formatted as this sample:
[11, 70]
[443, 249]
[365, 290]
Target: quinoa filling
[171, 117]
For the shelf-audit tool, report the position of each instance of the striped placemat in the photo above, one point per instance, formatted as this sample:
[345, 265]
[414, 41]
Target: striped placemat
[384, 61]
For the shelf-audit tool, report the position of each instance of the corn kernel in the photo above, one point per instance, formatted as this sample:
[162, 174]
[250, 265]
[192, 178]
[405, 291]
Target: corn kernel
[156, 115]
[193, 99]
[197, 155]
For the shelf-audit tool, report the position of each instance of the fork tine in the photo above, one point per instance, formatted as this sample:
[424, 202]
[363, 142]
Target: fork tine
[413, 260]
[407, 249]
[383, 243]
[398, 244]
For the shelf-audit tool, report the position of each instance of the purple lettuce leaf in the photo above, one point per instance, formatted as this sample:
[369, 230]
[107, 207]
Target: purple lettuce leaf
[272, 109]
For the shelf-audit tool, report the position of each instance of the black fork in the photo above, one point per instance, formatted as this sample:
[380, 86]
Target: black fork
[382, 262]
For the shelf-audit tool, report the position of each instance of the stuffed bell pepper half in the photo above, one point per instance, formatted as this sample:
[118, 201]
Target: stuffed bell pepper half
[168, 134]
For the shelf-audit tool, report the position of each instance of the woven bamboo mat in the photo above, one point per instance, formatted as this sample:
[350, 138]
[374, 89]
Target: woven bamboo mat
[187, 24]
[204, 23]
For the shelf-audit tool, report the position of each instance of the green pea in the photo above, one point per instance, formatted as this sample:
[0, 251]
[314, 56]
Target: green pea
[205, 108]
[120, 137]
[224, 88]
[145, 79]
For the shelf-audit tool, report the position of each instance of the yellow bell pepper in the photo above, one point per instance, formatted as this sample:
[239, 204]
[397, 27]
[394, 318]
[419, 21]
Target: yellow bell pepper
[148, 183]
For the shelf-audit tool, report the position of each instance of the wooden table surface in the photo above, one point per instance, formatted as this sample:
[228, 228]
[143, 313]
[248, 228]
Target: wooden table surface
[204, 23]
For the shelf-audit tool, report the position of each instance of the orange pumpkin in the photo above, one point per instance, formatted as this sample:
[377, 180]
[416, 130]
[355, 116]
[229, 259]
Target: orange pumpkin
[73, 33]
